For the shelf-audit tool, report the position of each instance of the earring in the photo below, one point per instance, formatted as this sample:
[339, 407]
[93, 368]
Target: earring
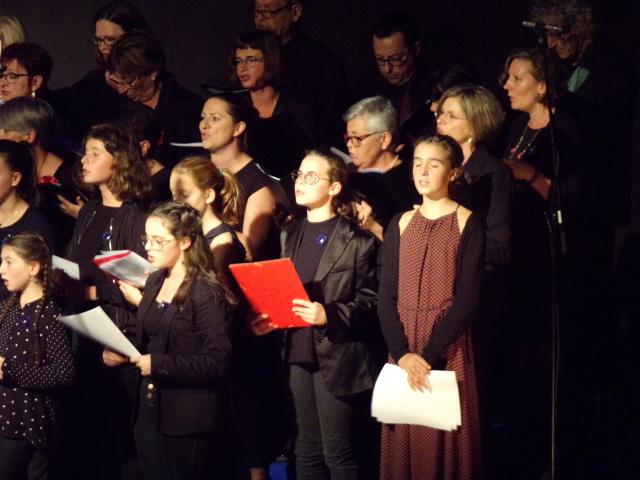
[33, 94]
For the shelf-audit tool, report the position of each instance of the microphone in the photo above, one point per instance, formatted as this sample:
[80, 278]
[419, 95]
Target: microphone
[545, 27]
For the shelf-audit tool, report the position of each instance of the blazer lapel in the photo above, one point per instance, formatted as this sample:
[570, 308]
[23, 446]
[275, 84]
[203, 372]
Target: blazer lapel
[151, 290]
[335, 248]
[292, 241]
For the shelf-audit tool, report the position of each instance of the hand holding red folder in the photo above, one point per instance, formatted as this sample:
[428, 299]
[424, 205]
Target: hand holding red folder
[270, 288]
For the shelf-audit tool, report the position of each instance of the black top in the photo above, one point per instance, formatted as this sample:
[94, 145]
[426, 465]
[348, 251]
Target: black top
[239, 254]
[178, 115]
[60, 183]
[251, 179]
[28, 406]
[315, 237]
[387, 193]
[160, 191]
[316, 81]
[279, 142]
[154, 322]
[31, 221]
[486, 187]
[469, 267]
[122, 232]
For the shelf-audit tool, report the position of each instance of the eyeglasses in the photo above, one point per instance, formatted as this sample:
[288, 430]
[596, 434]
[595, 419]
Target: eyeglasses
[249, 61]
[448, 116]
[268, 14]
[308, 178]
[156, 243]
[120, 83]
[356, 140]
[394, 61]
[11, 77]
[108, 41]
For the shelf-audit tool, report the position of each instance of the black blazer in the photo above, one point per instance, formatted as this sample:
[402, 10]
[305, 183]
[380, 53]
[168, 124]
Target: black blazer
[191, 369]
[345, 283]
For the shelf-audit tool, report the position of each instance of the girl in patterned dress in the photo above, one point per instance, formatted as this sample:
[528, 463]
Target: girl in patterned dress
[35, 359]
[431, 264]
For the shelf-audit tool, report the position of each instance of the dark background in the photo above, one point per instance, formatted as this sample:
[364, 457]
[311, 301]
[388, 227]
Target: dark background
[197, 36]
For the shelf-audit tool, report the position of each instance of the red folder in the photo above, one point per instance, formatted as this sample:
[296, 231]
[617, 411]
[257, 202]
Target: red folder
[269, 287]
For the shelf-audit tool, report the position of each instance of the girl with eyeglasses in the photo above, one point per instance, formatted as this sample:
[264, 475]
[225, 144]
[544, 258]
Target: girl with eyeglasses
[113, 219]
[431, 264]
[183, 330]
[35, 359]
[331, 363]
[18, 195]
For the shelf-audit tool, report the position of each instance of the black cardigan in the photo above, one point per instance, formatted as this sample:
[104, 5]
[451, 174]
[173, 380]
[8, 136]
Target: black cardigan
[458, 317]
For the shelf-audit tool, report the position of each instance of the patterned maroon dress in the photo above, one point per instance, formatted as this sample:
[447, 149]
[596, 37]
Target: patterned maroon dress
[427, 269]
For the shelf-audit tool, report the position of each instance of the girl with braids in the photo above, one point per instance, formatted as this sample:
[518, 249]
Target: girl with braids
[184, 329]
[112, 220]
[18, 195]
[35, 359]
[331, 364]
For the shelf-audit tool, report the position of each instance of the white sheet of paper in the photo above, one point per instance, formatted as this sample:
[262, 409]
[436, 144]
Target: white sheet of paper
[67, 266]
[186, 145]
[96, 325]
[395, 402]
[133, 268]
[345, 156]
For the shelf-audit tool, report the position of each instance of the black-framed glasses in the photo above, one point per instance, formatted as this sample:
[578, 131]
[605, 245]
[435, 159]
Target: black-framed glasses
[394, 60]
[268, 14]
[108, 41]
[308, 178]
[356, 140]
[156, 242]
[248, 61]
[11, 77]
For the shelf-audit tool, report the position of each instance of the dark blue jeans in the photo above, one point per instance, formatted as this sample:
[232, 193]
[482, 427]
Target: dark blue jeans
[324, 426]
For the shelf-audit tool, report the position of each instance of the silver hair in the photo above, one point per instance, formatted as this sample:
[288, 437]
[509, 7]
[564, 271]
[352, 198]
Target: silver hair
[576, 15]
[24, 114]
[377, 112]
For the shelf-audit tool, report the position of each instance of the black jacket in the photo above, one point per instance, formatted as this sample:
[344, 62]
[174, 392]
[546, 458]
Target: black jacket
[345, 283]
[191, 370]
[126, 230]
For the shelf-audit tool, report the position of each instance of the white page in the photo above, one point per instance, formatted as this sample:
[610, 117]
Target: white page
[395, 402]
[132, 269]
[67, 266]
[96, 325]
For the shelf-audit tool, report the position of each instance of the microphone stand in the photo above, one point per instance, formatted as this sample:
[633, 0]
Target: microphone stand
[558, 248]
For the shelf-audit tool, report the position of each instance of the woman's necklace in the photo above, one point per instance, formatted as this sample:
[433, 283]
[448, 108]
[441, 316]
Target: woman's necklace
[11, 218]
[524, 144]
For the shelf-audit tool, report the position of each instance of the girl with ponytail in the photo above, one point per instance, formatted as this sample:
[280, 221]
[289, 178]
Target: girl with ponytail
[35, 358]
[331, 363]
[183, 328]
[217, 196]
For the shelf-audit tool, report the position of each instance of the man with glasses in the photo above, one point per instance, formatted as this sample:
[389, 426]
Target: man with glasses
[395, 41]
[314, 78]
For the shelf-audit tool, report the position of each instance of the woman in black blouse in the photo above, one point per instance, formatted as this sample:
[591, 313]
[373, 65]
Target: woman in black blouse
[183, 328]
[35, 359]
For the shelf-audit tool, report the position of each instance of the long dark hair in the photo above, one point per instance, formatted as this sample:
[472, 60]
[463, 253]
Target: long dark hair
[31, 247]
[183, 221]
